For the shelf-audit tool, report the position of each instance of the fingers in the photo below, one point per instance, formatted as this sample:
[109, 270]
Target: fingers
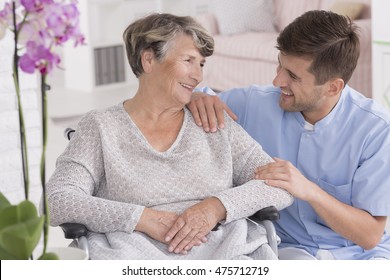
[229, 112]
[185, 239]
[198, 240]
[208, 111]
[278, 170]
[195, 113]
[212, 114]
[178, 225]
[193, 107]
[182, 236]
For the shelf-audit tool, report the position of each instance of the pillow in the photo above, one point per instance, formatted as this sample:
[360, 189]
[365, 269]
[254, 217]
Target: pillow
[349, 9]
[235, 16]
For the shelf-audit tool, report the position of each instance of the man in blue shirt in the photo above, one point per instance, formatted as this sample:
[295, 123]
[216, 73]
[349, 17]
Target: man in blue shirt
[330, 143]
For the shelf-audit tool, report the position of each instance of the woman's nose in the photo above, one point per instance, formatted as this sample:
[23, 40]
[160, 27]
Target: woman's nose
[197, 73]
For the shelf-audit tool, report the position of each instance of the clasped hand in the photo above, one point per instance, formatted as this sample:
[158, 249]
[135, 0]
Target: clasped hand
[182, 232]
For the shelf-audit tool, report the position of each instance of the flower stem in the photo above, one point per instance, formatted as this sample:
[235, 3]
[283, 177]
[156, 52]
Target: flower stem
[44, 88]
[22, 129]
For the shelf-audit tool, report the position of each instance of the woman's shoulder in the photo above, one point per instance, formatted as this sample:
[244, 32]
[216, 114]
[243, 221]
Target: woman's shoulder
[99, 114]
[102, 117]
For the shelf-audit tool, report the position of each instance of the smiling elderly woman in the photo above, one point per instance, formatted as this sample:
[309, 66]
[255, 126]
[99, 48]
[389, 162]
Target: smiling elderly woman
[146, 180]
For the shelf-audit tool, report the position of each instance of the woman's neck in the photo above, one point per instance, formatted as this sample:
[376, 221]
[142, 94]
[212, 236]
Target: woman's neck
[150, 108]
[159, 125]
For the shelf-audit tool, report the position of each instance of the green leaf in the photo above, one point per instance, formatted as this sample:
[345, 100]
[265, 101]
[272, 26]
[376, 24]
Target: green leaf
[48, 256]
[20, 229]
[4, 201]
[15, 214]
[4, 255]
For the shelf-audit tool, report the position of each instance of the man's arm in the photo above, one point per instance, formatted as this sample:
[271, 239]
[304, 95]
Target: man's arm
[207, 111]
[352, 223]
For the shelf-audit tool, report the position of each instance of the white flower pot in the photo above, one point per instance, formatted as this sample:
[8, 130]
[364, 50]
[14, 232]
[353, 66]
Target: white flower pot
[68, 253]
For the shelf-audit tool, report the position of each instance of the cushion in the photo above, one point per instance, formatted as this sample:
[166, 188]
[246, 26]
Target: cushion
[349, 9]
[243, 16]
[288, 10]
[253, 46]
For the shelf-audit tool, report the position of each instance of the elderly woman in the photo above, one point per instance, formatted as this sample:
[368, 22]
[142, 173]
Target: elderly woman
[146, 180]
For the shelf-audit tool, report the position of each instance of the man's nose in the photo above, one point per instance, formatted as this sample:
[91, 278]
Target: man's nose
[280, 79]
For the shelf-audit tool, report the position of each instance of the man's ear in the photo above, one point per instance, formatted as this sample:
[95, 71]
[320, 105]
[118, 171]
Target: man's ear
[147, 57]
[336, 85]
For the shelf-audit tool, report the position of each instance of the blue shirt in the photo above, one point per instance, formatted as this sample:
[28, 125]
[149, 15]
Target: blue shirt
[347, 155]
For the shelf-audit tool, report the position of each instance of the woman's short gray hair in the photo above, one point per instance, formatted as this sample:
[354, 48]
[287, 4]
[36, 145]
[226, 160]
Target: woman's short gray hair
[155, 31]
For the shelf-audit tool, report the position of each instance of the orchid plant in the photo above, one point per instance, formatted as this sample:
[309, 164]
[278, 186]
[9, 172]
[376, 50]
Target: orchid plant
[39, 27]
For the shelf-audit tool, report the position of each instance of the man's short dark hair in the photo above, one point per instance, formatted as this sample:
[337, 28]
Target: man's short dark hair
[329, 39]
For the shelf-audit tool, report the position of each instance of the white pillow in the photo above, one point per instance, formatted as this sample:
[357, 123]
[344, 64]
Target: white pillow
[239, 16]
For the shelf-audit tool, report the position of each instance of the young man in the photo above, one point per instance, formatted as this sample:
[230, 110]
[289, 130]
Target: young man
[331, 144]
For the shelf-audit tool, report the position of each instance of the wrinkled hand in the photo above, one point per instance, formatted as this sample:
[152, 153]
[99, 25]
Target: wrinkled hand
[156, 223]
[207, 110]
[285, 175]
[191, 228]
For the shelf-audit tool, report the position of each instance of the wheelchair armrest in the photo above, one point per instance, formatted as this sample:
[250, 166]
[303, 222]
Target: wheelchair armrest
[74, 230]
[68, 133]
[265, 217]
[268, 213]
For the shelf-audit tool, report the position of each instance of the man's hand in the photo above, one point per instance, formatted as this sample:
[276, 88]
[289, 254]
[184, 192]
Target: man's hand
[194, 224]
[355, 224]
[285, 175]
[207, 111]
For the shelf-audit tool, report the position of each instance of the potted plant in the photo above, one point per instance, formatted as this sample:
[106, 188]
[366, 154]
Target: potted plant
[38, 26]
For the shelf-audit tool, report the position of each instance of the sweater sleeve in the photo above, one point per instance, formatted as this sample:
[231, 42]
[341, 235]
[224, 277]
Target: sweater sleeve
[248, 195]
[72, 189]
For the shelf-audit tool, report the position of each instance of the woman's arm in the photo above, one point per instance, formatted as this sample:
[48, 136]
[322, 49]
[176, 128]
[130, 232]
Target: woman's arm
[71, 190]
[246, 198]
[249, 195]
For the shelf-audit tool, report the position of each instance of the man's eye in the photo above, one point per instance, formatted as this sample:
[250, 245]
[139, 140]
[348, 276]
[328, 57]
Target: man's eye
[292, 76]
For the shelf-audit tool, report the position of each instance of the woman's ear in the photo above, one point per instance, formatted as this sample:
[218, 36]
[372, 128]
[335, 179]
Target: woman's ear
[335, 86]
[147, 57]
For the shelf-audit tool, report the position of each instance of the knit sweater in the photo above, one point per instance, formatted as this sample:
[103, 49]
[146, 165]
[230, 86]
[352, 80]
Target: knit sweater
[109, 173]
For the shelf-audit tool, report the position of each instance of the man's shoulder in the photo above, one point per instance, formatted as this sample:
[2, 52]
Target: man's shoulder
[253, 95]
[257, 91]
[367, 107]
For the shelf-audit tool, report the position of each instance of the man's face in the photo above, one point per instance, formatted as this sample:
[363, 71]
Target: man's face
[299, 90]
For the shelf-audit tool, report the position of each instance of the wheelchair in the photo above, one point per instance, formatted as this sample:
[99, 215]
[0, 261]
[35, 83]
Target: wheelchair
[265, 217]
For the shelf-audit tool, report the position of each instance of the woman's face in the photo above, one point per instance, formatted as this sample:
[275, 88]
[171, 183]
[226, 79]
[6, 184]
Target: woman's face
[180, 71]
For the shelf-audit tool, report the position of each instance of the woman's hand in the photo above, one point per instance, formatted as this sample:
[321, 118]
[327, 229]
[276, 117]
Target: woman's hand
[191, 228]
[156, 223]
[207, 111]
